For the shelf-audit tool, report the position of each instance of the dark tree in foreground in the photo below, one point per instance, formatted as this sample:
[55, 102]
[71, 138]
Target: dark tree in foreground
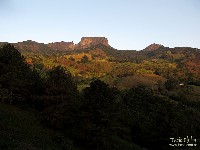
[60, 99]
[60, 82]
[99, 127]
[154, 119]
[16, 77]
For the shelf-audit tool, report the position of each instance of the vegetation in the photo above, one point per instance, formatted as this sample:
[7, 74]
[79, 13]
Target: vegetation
[103, 102]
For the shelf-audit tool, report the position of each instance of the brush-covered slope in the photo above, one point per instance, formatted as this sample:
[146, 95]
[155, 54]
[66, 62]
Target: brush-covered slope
[93, 57]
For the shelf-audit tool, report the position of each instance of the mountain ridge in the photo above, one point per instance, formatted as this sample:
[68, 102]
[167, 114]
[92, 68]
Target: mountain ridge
[85, 42]
[101, 60]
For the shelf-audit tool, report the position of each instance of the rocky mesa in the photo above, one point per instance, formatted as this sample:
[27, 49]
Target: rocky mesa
[91, 41]
[84, 43]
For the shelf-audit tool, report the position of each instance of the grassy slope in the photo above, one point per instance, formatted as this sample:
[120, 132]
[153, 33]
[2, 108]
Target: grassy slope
[21, 130]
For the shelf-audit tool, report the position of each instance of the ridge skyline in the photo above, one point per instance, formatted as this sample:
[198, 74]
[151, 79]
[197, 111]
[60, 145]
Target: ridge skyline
[77, 43]
[127, 24]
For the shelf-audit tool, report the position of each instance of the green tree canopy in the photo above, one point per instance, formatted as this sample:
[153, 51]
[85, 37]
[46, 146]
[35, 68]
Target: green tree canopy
[60, 82]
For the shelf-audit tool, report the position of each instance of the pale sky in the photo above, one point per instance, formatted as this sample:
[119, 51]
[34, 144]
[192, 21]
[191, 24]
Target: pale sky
[128, 24]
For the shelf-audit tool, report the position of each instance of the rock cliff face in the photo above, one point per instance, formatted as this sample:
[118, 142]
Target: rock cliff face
[61, 46]
[91, 41]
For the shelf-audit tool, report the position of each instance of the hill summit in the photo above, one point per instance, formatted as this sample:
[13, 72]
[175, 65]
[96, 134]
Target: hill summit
[91, 41]
[153, 47]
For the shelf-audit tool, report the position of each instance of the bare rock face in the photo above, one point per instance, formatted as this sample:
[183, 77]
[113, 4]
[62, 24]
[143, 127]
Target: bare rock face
[153, 47]
[61, 46]
[91, 41]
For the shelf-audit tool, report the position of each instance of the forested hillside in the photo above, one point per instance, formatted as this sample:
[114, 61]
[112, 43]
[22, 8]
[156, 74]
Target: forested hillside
[123, 69]
[98, 98]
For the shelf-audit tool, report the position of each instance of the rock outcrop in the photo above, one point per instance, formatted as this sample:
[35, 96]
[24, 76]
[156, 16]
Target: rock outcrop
[91, 41]
[61, 46]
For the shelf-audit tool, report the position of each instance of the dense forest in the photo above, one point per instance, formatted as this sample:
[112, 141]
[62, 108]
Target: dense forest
[98, 98]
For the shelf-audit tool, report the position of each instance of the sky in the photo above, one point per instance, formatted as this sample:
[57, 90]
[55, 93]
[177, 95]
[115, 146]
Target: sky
[127, 24]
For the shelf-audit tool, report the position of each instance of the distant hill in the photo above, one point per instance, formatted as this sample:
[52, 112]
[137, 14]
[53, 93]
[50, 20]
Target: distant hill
[61, 46]
[153, 47]
[106, 62]
[99, 47]
[100, 43]
[32, 46]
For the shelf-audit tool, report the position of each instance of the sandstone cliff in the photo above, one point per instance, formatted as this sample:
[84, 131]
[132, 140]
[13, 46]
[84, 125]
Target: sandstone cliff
[91, 41]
